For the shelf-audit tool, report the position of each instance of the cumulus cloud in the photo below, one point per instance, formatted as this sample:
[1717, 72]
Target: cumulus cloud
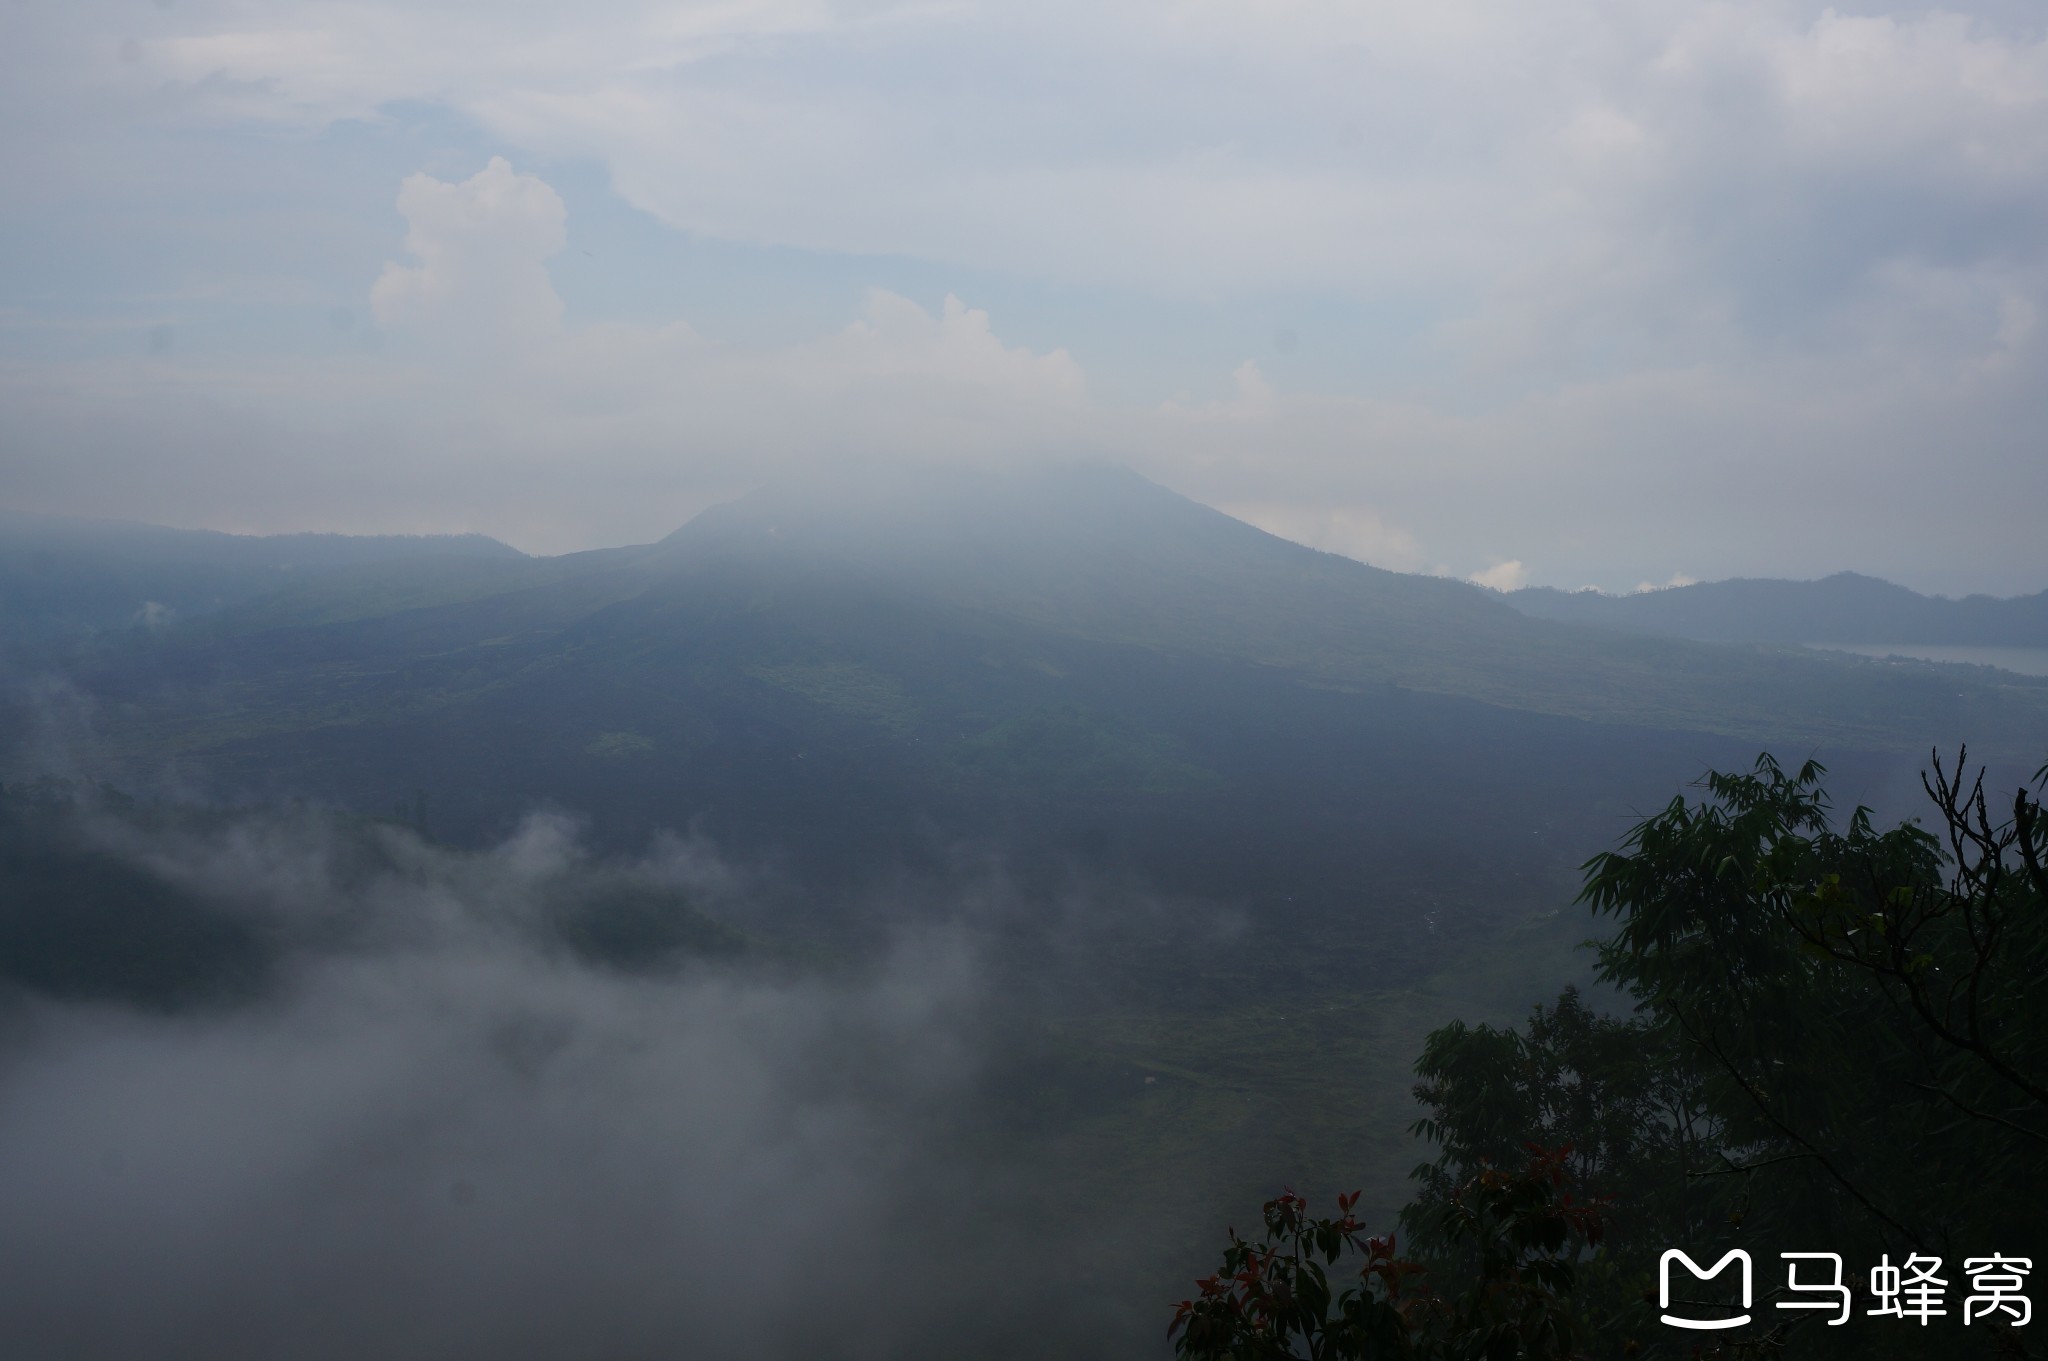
[481, 247]
[1510, 575]
[957, 346]
[496, 416]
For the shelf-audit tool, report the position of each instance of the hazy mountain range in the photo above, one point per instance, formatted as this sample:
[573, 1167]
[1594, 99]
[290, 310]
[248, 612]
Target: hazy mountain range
[1071, 664]
[1843, 608]
[77, 577]
[69, 578]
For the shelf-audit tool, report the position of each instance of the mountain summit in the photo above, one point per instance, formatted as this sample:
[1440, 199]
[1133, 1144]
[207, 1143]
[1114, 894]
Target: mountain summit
[1088, 548]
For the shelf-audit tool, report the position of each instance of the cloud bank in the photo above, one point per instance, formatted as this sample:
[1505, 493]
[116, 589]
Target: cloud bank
[436, 1134]
[1631, 288]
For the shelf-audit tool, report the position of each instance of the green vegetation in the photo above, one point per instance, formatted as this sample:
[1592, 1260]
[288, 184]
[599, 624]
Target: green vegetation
[620, 745]
[1839, 1045]
[1085, 752]
[848, 688]
[79, 921]
[948, 614]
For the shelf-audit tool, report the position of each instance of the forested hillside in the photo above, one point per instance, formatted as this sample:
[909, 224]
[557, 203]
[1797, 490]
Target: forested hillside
[1843, 608]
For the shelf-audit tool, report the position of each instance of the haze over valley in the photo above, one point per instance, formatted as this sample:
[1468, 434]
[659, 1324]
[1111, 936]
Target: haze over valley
[811, 681]
[1110, 855]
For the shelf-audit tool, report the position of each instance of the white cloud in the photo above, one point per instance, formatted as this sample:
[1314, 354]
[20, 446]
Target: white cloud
[560, 437]
[1635, 261]
[506, 420]
[1353, 531]
[398, 1138]
[898, 338]
[1510, 575]
[481, 247]
[1506, 154]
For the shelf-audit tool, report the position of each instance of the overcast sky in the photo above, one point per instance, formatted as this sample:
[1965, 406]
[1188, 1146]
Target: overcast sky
[1581, 292]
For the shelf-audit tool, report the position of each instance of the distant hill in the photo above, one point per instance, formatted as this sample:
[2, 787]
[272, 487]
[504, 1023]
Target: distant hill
[65, 578]
[1001, 563]
[1086, 552]
[1843, 608]
[1064, 666]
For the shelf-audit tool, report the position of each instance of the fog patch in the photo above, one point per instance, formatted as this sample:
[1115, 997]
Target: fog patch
[443, 1130]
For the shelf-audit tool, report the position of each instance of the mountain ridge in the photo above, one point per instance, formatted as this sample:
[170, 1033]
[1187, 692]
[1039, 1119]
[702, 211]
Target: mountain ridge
[65, 578]
[1845, 607]
[1058, 668]
[1087, 552]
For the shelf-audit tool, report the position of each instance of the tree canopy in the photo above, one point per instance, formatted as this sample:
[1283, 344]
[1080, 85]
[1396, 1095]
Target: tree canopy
[1822, 1037]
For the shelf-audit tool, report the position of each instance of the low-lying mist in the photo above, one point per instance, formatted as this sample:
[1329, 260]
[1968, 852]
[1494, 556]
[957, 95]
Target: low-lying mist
[452, 1111]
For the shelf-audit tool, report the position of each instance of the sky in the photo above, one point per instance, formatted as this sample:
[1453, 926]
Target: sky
[1593, 292]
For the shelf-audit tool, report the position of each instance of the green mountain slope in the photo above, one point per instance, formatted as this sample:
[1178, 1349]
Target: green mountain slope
[71, 579]
[921, 612]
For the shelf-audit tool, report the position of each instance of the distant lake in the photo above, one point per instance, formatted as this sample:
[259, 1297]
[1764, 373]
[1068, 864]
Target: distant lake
[2028, 661]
